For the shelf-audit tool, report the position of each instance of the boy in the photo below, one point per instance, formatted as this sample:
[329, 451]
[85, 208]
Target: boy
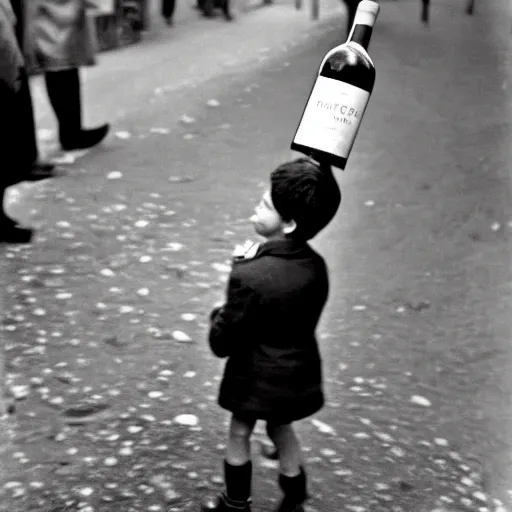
[266, 329]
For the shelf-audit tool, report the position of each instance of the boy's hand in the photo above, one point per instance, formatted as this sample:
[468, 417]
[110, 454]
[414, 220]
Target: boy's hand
[216, 308]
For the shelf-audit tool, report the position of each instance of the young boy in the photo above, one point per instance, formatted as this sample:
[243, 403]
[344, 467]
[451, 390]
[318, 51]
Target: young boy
[266, 329]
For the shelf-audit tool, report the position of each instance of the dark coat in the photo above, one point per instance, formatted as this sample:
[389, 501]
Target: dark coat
[12, 85]
[266, 328]
[11, 60]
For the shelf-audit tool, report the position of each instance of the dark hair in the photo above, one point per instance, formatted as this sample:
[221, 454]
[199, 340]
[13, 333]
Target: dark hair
[306, 192]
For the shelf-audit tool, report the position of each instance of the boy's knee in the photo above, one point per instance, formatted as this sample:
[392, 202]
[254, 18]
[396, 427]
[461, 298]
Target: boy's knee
[240, 428]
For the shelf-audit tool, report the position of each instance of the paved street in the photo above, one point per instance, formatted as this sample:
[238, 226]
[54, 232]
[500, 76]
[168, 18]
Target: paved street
[105, 314]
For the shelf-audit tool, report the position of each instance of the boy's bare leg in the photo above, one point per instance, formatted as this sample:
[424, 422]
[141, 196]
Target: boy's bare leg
[288, 448]
[238, 450]
[237, 469]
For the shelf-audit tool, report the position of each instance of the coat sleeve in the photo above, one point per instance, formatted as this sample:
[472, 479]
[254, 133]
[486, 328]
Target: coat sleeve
[231, 323]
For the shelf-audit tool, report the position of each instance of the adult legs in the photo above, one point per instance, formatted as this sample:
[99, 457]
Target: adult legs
[36, 168]
[168, 7]
[64, 93]
[10, 231]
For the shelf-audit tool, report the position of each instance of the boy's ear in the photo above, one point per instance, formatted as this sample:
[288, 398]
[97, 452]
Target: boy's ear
[289, 227]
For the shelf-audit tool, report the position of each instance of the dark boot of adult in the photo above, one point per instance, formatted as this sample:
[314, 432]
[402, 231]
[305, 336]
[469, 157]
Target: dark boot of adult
[37, 169]
[65, 97]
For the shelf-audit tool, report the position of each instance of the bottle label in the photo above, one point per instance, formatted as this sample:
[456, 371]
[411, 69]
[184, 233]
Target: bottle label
[332, 117]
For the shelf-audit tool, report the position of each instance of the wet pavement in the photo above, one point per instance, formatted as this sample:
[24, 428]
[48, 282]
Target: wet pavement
[106, 313]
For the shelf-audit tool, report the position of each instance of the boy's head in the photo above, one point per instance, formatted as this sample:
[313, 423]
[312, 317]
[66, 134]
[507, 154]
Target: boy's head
[302, 200]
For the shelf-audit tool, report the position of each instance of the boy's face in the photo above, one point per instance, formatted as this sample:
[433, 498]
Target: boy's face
[267, 222]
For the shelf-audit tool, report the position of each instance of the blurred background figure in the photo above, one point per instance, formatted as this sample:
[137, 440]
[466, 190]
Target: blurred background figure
[207, 7]
[168, 10]
[351, 7]
[59, 40]
[11, 67]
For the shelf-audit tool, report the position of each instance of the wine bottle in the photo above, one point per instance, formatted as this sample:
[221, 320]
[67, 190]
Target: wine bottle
[333, 113]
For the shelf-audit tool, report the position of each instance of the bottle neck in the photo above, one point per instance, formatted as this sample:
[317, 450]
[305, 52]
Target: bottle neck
[361, 34]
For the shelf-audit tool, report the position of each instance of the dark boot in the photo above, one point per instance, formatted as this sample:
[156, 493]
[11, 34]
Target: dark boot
[41, 170]
[65, 97]
[224, 504]
[25, 123]
[295, 492]
[225, 8]
[238, 490]
[207, 8]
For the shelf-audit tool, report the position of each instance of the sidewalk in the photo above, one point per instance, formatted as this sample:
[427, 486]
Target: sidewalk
[121, 263]
[166, 61]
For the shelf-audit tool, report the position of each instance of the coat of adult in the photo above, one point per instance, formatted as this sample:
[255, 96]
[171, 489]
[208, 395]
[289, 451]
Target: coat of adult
[11, 65]
[59, 39]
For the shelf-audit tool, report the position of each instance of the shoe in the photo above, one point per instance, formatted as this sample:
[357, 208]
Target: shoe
[85, 138]
[41, 171]
[295, 492]
[238, 484]
[43, 165]
[168, 21]
[13, 233]
[64, 92]
[224, 504]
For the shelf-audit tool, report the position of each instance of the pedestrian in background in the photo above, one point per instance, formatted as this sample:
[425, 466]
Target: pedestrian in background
[29, 158]
[11, 65]
[207, 8]
[168, 7]
[59, 41]
[266, 328]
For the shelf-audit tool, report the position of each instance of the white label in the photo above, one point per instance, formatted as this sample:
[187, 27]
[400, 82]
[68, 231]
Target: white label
[332, 117]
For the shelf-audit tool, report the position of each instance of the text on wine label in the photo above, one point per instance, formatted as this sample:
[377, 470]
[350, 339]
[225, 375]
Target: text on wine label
[345, 110]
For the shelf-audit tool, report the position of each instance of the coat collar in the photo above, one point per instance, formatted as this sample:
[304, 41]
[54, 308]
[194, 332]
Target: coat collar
[284, 248]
